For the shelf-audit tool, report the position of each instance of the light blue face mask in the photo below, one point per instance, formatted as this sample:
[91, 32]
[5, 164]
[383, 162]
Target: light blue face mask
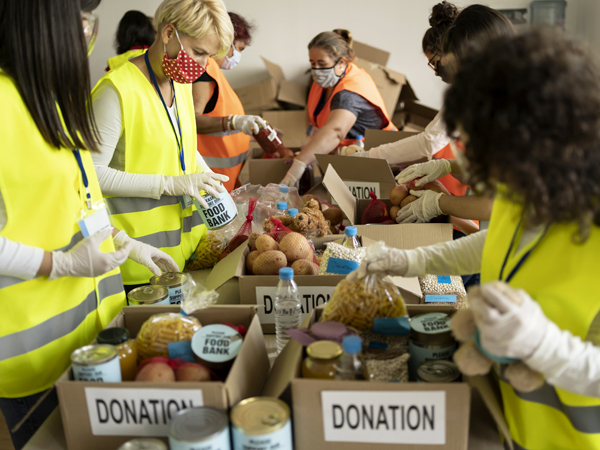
[231, 61]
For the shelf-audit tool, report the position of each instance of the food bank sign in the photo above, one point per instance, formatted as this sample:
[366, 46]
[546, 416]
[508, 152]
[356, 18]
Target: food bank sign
[385, 417]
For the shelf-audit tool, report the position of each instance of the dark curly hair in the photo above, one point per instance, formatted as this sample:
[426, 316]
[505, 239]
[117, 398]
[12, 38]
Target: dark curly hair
[241, 27]
[529, 107]
[442, 16]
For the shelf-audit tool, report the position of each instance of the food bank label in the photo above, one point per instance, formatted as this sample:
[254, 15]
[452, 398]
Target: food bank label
[137, 412]
[386, 417]
[310, 296]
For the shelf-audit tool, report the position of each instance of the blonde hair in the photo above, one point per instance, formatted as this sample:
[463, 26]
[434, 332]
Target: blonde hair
[336, 43]
[198, 19]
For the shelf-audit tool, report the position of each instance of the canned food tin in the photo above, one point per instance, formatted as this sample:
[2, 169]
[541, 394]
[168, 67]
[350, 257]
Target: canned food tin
[176, 282]
[438, 372]
[149, 295]
[261, 423]
[220, 212]
[200, 428]
[216, 346]
[98, 362]
[144, 444]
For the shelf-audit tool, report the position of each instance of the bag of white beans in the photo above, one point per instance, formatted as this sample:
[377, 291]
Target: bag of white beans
[340, 260]
[443, 290]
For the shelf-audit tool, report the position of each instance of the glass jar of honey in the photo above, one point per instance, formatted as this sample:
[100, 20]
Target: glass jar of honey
[322, 360]
[127, 351]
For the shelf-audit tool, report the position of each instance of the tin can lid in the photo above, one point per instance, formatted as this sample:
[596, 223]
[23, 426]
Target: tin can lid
[438, 372]
[431, 328]
[90, 355]
[324, 350]
[258, 416]
[197, 424]
[148, 295]
[144, 444]
[113, 336]
[216, 343]
[170, 279]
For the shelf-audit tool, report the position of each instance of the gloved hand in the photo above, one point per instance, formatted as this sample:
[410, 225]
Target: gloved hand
[193, 183]
[354, 150]
[381, 259]
[429, 171]
[154, 259]
[510, 323]
[86, 259]
[422, 210]
[249, 125]
[294, 174]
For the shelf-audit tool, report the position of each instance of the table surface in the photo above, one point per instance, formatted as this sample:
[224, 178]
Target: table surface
[483, 434]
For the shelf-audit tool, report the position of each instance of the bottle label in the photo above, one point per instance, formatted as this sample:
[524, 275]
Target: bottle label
[108, 372]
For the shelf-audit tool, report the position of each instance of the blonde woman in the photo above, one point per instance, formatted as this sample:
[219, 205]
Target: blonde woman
[148, 166]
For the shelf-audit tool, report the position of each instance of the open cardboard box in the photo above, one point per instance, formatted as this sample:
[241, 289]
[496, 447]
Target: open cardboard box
[412, 116]
[266, 170]
[293, 124]
[99, 416]
[441, 409]
[375, 138]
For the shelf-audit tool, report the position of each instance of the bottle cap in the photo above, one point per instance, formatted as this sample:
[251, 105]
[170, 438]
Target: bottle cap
[286, 273]
[284, 189]
[281, 205]
[350, 231]
[351, 344]
[359, 137]
[292, 212]
[112, 336]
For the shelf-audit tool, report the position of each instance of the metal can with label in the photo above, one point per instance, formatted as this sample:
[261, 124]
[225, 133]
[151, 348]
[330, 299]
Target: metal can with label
[430, 339]
[261, 423]
[220, 212]
[149, 295]
[144, 444]
[216, 346]
[176, 282]
[99, 362]
[438, 372]
[201, 428]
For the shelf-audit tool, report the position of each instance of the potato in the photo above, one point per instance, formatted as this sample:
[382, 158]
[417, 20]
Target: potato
[411, 198]
[252, 238]
[265, 243]
[394, 212]
[192, 372]
[334, 215]
[397, 194]
[305, 267]
[295, 247]
[250, 261]
[156, 371]
[269, 263]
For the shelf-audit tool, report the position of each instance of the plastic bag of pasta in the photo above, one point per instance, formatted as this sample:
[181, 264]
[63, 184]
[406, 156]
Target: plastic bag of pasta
[358, 302]
[208, 252]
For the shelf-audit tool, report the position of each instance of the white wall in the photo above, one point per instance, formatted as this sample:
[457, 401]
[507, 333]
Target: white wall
[284, 28]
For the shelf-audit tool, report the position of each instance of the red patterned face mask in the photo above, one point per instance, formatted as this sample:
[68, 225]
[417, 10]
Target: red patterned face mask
[183, 69]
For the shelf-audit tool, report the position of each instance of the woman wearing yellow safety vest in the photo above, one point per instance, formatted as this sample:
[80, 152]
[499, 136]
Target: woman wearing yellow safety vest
[135, 34]
[59, 279]
[528, 112]
[148, 167]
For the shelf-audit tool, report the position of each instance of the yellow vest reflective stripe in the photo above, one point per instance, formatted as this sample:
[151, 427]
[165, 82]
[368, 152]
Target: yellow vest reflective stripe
[151, 148]
[116, 61]
[43, 321]
[558, 274]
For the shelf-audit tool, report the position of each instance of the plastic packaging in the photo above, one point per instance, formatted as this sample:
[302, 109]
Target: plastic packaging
[375, 212]
[351, 365]
[281, 208]
[244, 231]
[350, 240]
[197, 297]
[288, 307]
[292, 212]
[273, 193]
[340, 260]
[443, 290]
[160, 330]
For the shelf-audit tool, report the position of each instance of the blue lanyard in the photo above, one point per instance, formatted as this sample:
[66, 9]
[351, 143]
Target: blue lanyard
[179, 138]
[523, 258]
[86, 184]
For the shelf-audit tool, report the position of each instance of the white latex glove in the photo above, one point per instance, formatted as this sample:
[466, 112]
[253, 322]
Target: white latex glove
[86, 259]
[249, 125]
[511, 324]
[154, 259]
[354, 150]
[294, 174]
[193, 183]
[429, 171]
[422, 210]
[381, 259]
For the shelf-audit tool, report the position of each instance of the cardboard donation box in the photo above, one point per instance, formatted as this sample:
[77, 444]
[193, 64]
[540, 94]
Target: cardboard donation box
[270, 170]
[293, 124]
[411, 116]
[99, 416]
[353, 415]
[375, 138]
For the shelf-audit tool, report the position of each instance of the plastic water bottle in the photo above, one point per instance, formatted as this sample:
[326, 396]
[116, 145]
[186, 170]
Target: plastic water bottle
[292, 212]
[281, 208]
[284, 194]
[351, 365]
[288, 308]
[350, 240]
[360, 141]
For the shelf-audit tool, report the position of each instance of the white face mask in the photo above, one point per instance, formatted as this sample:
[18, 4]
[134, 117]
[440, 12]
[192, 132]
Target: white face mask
[230, 62]
[326, 78]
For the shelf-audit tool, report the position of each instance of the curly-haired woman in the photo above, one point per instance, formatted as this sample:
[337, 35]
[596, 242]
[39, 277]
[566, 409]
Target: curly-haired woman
[528, 112]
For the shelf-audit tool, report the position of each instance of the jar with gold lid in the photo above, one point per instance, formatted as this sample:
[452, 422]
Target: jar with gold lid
[322, 360]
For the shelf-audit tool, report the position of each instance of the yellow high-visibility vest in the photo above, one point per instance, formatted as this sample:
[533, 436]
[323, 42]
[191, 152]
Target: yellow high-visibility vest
[560, 275]
[116, 61]
[42, 321]
[151, 148]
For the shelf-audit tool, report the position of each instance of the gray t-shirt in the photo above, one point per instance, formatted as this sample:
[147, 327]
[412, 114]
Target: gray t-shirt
[368, 116]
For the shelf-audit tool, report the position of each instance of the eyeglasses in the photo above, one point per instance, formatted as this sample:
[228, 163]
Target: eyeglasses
[430, 62]
[90, 29]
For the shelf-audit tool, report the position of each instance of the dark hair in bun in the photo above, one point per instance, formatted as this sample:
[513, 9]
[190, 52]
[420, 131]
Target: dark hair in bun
[336, 43]
[442, 16]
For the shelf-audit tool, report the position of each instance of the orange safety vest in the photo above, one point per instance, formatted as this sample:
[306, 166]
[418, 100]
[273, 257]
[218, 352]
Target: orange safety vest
[356, 80]
[224, 152]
